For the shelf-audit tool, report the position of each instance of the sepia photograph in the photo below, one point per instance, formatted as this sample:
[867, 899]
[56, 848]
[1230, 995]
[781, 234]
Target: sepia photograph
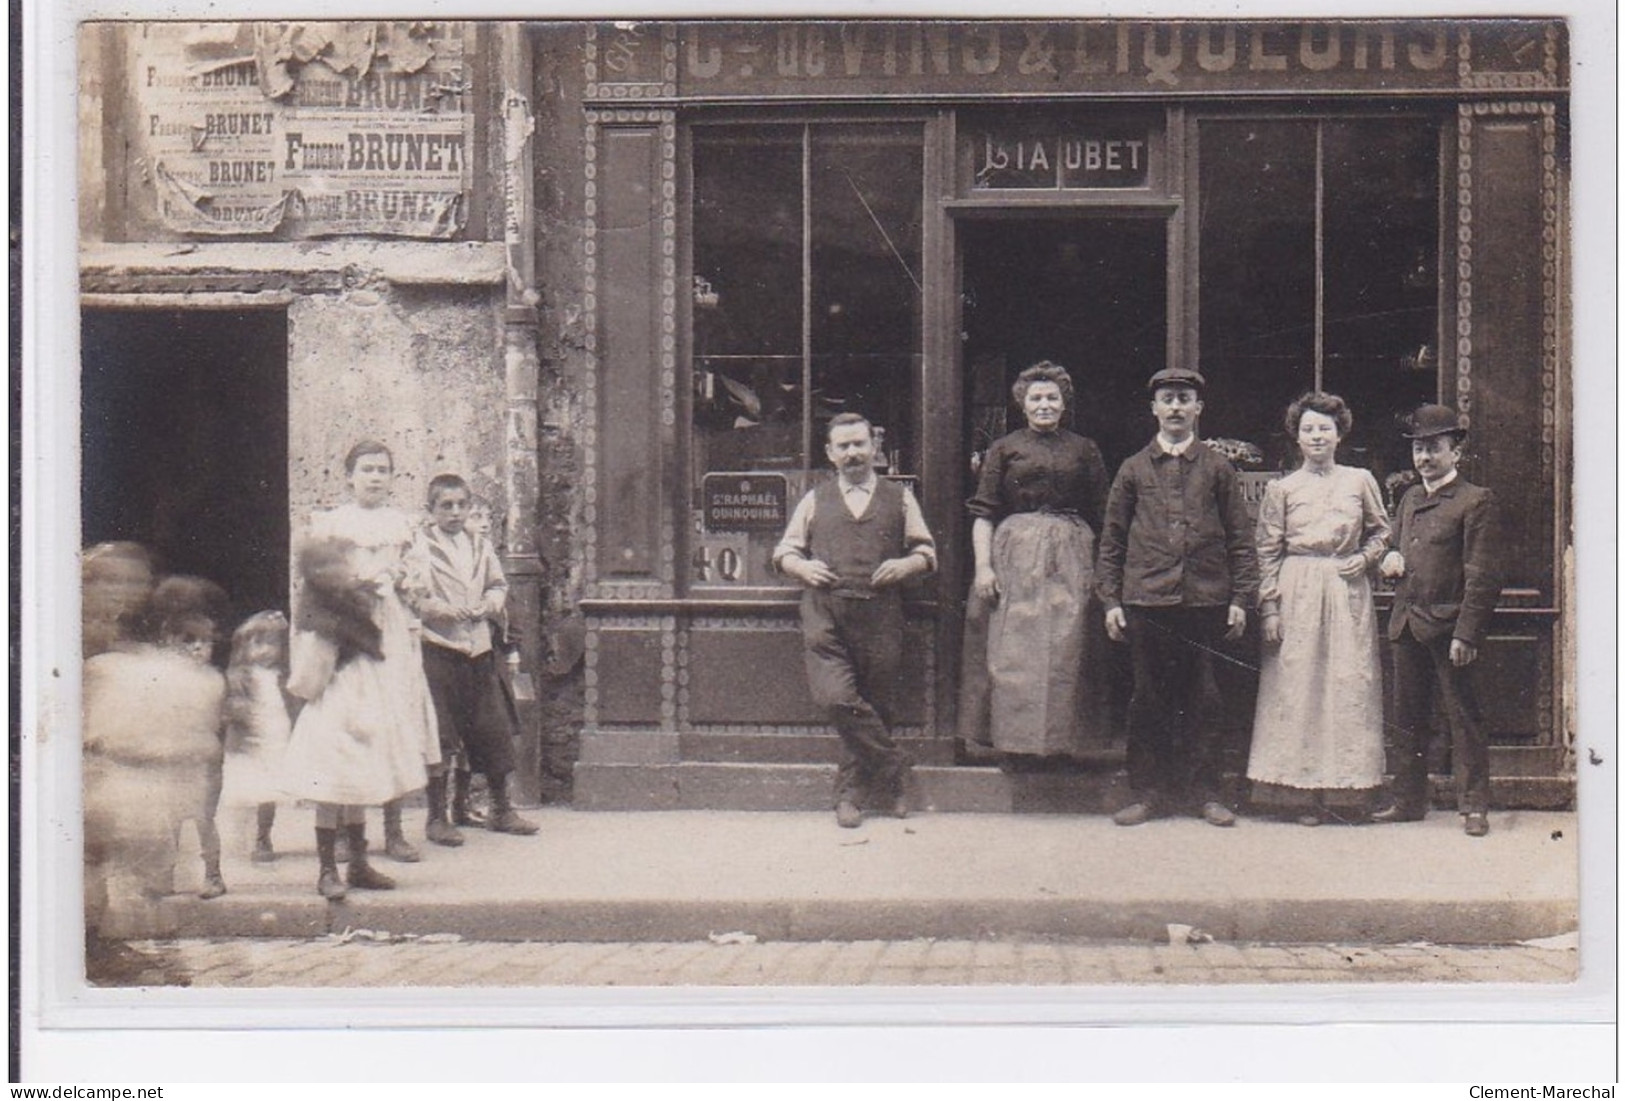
[1068, 508]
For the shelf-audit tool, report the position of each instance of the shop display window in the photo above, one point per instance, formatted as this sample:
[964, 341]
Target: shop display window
[1319, 244]
[807, 295]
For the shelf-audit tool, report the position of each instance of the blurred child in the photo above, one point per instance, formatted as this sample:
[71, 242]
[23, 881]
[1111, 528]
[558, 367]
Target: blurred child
[256, 724]
[117, 580]
[152, 758]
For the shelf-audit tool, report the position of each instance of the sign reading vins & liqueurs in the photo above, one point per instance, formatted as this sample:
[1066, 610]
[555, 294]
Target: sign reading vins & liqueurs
[302, 129]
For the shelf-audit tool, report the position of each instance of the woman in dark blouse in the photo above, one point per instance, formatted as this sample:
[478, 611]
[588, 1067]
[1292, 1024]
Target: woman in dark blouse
[1039, 501]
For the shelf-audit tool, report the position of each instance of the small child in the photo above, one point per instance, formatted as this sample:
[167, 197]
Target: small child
[256, 723]
[467, 598]
[1444, 557]
[153, 755]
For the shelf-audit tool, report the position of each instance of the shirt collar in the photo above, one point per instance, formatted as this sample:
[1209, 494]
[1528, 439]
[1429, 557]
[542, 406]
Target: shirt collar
[865, 488]
[1176, 449]
[1434, 487]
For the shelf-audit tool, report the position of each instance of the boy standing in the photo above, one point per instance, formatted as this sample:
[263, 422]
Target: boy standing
[851, 543]
[1449, 582]
[1177, 572]
[467, 592]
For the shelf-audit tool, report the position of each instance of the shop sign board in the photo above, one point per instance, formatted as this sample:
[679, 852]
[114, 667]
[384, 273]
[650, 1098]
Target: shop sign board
[1073, 159]
[751, 501]
[878, 58]
[301, 129]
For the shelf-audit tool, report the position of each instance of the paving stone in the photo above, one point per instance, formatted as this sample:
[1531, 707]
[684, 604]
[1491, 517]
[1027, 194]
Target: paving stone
[318, 963]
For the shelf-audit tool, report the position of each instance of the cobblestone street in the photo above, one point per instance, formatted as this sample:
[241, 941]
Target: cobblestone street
[362, 962]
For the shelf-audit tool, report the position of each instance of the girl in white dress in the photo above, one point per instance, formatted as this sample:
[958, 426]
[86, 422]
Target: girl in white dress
[1321, 530]
[367, 733]
[257, 725]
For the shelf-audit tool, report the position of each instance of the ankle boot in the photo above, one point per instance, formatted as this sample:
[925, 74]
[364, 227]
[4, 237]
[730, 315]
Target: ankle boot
[396, 846]
[461, 813]
[504, 819]
[439, 830]
[265, 819]
[328, 883]
[363, 876]
[213, 884]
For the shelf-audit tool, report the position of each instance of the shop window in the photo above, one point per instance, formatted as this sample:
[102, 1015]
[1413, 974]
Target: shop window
[1319, 242]
[807, 288]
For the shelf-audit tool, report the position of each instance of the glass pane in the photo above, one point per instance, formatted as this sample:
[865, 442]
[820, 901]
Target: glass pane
[1257, 296]
[867, 194]
[747, 297]
[1381, 292]
[864, 184]
[747, 341]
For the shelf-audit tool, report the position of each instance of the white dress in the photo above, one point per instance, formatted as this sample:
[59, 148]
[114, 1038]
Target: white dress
[1318, 725]
[257, 731]
[368, 736]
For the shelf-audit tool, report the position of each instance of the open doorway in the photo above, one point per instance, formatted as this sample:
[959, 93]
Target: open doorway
[184, 443]
[1089, 293]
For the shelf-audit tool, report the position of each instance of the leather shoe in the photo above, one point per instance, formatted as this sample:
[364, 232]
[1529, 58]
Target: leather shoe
[1477, 824]
[1133, 815]
[509, 821]
[329, 885]
[401, 850]
[365, 877]
[847, 815]
[1394, 812]
[1215, 813]
[899, 807]
[263, 852]
[442, 832]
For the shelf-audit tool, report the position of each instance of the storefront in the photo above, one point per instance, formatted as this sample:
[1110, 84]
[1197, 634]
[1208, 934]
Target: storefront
[745, 228]
[622, 274]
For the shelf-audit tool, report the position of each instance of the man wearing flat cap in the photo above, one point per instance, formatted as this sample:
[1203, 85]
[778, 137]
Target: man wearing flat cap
[1444, 557]
[1177, 572]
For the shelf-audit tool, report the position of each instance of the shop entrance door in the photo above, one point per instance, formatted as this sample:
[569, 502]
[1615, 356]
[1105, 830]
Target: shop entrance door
[1089, 293]
[1086, 291]
[184, 443]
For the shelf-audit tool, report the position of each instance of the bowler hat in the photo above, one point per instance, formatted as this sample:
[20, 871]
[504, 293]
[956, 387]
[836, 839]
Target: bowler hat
[1176, 376]
[1432, 420]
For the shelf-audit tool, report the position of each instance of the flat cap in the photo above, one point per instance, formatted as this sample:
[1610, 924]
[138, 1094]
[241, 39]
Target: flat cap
[1176, 376]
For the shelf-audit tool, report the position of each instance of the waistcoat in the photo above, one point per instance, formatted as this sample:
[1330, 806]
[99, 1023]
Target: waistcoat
[854, 546]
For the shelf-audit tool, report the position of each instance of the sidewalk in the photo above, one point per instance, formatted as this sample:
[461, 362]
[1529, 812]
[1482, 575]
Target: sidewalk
[684, 875]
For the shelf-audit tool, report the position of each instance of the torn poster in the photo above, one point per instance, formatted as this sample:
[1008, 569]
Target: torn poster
[299, 130]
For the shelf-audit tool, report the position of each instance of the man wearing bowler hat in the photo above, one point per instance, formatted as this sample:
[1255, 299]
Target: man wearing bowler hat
[1444, 557]
[1177, 572]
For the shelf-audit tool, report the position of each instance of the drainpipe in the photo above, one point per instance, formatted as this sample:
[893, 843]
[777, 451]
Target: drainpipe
[515, 126]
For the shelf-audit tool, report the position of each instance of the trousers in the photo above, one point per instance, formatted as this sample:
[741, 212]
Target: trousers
[852, 650]
[1174, 746]
[1418, 666]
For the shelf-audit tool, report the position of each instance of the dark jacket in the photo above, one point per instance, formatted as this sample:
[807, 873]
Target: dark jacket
[1452, 577]
[1177, 533]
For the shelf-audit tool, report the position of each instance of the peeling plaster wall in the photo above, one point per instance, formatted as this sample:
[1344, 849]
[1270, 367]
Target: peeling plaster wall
[560, 172]
[418, 368]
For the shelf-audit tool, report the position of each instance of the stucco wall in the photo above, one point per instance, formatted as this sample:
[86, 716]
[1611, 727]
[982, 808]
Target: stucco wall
[418, 368]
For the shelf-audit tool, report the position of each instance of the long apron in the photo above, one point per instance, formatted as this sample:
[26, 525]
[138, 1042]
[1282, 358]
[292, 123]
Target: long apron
[1046, 696]
[1318, 725]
